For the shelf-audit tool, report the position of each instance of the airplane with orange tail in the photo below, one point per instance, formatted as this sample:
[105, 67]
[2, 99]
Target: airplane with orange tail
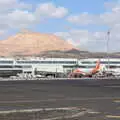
[78, 73]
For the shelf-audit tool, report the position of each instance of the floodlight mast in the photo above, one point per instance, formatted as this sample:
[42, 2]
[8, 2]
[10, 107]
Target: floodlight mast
[108, 39]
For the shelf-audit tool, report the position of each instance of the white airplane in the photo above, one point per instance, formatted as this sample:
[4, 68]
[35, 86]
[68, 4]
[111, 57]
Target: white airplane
[78, 73]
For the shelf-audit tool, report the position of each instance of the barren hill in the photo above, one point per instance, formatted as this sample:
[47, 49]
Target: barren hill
[30, 43]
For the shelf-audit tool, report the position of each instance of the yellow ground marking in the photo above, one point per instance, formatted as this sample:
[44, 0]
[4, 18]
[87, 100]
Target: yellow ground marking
[113, 116]
[116, 101]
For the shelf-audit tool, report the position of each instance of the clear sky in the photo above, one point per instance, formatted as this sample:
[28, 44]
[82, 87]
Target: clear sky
[84, 23]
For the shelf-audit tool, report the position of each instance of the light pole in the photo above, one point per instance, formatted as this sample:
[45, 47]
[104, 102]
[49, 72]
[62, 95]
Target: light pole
[108, 39]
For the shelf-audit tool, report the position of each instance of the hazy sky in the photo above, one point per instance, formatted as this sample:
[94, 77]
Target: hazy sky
[82, 22]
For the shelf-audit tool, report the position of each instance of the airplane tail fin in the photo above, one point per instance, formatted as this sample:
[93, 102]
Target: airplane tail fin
[96, 69]
[98, 64]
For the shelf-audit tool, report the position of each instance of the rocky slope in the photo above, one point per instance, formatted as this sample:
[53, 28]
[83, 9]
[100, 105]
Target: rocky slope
[30, 43]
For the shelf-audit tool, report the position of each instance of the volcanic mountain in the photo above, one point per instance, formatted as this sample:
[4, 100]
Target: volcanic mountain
[30, 43]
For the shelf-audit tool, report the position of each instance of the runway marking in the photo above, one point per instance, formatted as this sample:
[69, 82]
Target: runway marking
[116, 101]
[41, 109]
[93, 112]
[113, 86]
[55, 100]
[79, 114]
[113, 116]
[118, 108]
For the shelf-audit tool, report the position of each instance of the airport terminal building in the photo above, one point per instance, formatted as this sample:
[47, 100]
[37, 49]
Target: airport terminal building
[48, 66]
[55, 67]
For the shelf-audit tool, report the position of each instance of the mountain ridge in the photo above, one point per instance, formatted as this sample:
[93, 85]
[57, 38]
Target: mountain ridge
[32, 43]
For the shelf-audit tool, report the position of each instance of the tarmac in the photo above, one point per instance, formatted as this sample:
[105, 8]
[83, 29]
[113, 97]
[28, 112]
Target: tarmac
[102, 97]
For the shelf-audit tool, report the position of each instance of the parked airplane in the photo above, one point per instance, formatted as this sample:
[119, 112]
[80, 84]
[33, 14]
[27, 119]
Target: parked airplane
[78, 73]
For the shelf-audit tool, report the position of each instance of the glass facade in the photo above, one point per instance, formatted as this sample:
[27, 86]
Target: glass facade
[111, 62]
[102, 62]
[6, 62]
[88, 62]
[112, 66]
[86, 66]
[46, 62]
[10, 66]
